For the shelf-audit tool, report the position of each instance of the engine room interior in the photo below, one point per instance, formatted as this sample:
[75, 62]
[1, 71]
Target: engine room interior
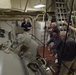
[37, 37]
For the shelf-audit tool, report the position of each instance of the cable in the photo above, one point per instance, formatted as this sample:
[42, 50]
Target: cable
[69, 19]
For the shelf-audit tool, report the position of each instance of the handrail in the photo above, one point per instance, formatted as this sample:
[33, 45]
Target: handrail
[37, 39]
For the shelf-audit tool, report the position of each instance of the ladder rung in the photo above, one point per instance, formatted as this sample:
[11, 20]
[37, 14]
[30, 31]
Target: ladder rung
[60, 2]
[64, 13]
[61, 8]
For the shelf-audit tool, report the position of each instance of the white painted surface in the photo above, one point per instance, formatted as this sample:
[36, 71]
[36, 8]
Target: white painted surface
[8, 26]
[6, 4]
[39, 31]
[10, 64]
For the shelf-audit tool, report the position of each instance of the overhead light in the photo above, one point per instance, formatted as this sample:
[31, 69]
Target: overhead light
[39, 6]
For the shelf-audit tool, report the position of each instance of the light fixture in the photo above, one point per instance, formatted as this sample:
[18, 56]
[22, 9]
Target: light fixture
[40, 5]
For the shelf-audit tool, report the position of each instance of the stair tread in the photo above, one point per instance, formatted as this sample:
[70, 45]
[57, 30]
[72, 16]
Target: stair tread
[60, 2]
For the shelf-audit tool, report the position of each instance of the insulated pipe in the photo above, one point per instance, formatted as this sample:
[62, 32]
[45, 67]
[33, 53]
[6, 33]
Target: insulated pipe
[38, 16]
[26, 5]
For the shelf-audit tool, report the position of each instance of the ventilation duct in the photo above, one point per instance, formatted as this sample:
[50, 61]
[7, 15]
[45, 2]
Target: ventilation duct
[5, 4]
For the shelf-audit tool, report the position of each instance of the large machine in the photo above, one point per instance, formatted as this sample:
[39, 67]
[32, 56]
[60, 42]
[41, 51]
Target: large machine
[20, 57]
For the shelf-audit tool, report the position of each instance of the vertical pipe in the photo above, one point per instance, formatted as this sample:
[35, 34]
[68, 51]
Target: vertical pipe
[45, 30]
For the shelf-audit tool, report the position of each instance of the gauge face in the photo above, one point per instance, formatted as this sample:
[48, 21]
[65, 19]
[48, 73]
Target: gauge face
[33, 66]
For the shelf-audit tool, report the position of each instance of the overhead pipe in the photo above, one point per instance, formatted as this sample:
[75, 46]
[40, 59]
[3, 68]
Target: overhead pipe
[26, 5]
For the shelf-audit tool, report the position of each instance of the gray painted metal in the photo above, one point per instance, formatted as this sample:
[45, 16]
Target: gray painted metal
[10, 64]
